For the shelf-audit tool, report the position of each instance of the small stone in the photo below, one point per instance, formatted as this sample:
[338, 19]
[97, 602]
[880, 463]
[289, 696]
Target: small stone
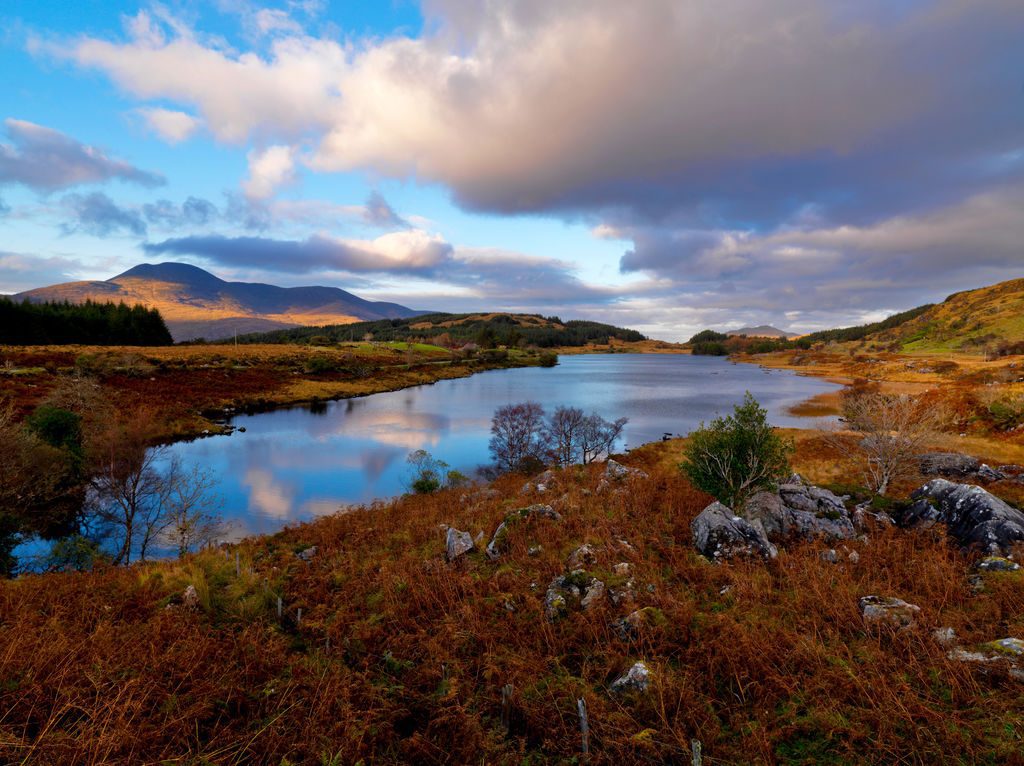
[887, 609]
[190, 598]
[623, 569]
[830, 556]
[1010, 646]
[534, 550]
[307, 554]
[637, 678]
[457, 543]
[854, 557]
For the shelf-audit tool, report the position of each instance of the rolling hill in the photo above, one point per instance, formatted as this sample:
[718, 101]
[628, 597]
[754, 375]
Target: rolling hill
[969, 320]
[196, 304]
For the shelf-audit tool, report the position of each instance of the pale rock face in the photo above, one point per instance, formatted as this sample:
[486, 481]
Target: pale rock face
[888, 610]
[637, 678]
[721, 535]
[457, 543]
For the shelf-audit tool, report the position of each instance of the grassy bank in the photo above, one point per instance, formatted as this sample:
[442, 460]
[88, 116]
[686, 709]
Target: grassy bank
[401, 657]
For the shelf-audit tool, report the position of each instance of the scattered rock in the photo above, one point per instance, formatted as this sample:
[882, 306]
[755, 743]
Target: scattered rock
[987, 473]
[637, 678]
[582, 557]
[307, 554]
[1010, 646]
[623, 569]
[830, 556]
[973, 517]
[534, 550]
[886, 609]
[457, 543]
[854, 557]
[576, 590]
[719, 534]
[629, 626]
[997, 564]
[190, 598]
[622, 593]
[499, 544]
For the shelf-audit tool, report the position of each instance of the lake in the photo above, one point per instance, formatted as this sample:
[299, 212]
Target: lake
[296, 464]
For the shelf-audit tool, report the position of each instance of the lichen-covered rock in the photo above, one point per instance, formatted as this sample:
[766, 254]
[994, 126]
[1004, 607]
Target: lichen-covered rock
[799, 510]
[307, 554]
[973, 516]
[457, 543]
[636, 679]
[997, 564]
[571, 592]
[888, 610]
[945, 637]
[1013, 647]
[719, 534]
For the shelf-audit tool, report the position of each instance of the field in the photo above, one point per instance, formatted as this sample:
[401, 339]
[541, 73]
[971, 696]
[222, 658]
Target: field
[188, 386]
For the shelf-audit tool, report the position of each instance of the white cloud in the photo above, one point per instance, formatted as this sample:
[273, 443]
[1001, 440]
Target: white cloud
[268, 170]
[171, 125]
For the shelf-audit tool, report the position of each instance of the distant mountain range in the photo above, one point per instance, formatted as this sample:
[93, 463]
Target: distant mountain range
[763, 331]
[196, 304]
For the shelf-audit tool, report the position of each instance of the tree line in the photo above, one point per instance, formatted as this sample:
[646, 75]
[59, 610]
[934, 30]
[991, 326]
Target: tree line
[456, 330]
[90, 323]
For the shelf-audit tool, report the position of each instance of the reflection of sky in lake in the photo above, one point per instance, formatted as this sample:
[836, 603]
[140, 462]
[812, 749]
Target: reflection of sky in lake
[296, 464]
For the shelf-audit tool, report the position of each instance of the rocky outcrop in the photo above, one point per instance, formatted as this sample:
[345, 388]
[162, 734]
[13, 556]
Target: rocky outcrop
[499, 540]
[582, 557]
[956, 465]
[887, 610]
[800, 510]
[997, 564]
[719, 534]
[972, 516]
[457, 543]
[615, 473]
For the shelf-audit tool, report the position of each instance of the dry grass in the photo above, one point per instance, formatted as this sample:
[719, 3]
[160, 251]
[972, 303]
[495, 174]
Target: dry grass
[400, 657]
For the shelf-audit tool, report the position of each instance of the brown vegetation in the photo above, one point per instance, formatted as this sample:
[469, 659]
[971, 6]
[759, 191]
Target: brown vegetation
[400, 657]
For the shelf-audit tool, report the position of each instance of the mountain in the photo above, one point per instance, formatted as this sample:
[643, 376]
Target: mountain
[969, 320]
[763, 331]
[196, 304]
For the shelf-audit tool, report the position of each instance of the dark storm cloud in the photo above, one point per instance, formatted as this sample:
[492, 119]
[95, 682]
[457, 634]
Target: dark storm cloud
[46, 160]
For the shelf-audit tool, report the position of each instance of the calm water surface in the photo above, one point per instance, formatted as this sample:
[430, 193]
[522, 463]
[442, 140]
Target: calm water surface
[295, 464]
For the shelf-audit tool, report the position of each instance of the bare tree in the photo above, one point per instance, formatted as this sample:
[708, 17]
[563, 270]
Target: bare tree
[140, 496]
[598, 437]
[517, 436]
[192, 510]
[891, 430]
[564, 434]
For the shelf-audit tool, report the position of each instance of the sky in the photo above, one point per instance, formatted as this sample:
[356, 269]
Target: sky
[666, 165]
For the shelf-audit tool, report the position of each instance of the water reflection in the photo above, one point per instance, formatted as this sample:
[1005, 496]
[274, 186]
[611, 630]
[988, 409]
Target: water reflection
[300, 463]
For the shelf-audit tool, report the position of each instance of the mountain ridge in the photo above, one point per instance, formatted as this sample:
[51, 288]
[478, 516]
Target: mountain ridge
[198, 304]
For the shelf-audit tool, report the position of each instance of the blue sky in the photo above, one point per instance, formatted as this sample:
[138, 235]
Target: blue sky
[664, 165]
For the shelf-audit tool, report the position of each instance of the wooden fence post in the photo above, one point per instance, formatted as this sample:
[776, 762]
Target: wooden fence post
[584, 725]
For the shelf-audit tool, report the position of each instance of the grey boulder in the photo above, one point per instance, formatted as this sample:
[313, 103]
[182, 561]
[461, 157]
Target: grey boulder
[972, 516]
[719, 534]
